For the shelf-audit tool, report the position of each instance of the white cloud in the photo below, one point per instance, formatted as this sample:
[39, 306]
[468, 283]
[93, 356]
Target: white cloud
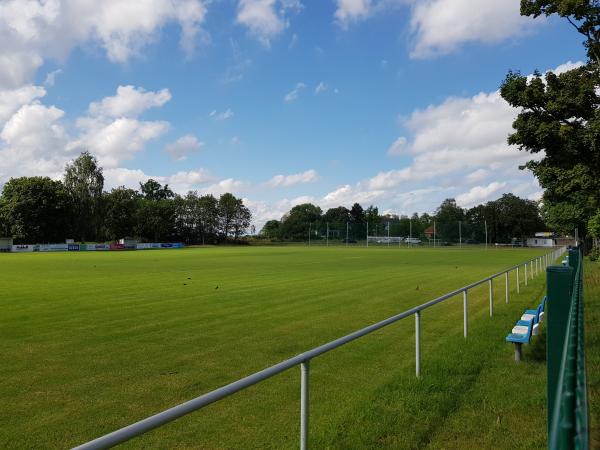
[129, 101]
[477, 176]
[183, 147]
[293, 94]
[112, 131]
[441, 26]
[32, 31]
[321, 87]
[480, 194]
[51, 77]
[180, 182]
[11, 100]
[310, 176]
[398, 147]
[569, 65]
[262, 18]
[349, 11]
[33, 142]
[116, 140]
[227, 185]
[227, 114]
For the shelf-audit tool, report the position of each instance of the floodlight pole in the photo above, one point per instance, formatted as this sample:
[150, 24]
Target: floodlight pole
[367, 232]
[460, 234]
[409, 231]
[388, 227]
[486, 236]
[346, 234]
[434, 234]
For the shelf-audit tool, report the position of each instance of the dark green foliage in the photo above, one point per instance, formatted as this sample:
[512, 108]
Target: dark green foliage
[357, 214]
[296, 223]
[120, 209]
[234, 218]
[153, 190]
[560, 120]
[84, 182]
[34, 209]
[270, 229]
[37, 210]
[584, 15]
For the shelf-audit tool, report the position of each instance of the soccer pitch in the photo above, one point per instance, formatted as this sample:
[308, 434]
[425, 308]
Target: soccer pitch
[92, 342]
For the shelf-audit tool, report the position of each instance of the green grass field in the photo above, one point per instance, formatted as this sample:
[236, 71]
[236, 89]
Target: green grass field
[92, 342]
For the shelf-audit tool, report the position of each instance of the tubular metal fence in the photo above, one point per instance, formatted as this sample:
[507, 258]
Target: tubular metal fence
[531, 268]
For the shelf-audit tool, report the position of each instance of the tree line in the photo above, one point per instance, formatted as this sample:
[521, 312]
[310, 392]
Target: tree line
[42, 210]
[506, 218]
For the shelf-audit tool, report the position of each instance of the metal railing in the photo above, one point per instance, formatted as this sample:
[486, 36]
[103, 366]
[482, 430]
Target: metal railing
[534, 265]
[567, 386]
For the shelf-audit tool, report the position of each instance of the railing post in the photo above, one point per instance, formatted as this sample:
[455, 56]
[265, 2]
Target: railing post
[466, 313]
[418, 343]
[531, 269]
[506, 282]
[491, 297]
[518, 282]
[304, 395]
[526, 278]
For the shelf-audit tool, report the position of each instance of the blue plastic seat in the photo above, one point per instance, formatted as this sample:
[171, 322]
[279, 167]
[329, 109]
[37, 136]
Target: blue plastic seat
[524, 337]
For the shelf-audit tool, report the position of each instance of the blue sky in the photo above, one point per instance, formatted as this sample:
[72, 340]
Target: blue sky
[385, 102]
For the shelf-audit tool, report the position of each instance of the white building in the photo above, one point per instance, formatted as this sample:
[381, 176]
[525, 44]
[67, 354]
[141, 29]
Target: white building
[540, 242]
[5, 244]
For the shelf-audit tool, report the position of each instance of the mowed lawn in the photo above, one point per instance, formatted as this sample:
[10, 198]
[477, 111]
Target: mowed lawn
[92, 342]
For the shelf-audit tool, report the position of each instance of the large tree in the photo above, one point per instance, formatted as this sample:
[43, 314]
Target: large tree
[34, 210]
[120, 208]
[559, 121]
[234, 217]
[84, 181]
[153, 190]
[299, 220]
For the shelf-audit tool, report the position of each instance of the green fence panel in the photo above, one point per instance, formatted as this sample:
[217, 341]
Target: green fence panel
[565, 351]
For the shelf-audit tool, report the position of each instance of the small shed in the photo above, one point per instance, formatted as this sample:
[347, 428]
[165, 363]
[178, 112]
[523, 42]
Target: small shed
[5, 244]
[540, 242]
[429, 231]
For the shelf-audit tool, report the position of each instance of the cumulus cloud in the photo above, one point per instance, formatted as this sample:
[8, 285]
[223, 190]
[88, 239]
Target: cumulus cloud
[33, 31]
[310, 176]
[348, 11]
[183, 147]
[26, 138]
[180, 182]
[480, 194]
[129, 101]
[12, 99]
[226, 185]
[265, 19]
[398, 147]
[441, 26]
[112, 130]
[115, 141]
[293, 94]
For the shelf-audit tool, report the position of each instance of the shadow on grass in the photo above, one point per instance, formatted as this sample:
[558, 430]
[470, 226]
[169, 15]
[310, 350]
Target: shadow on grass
[538, 348]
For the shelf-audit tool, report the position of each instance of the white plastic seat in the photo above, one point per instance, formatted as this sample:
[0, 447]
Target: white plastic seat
[520, 329]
